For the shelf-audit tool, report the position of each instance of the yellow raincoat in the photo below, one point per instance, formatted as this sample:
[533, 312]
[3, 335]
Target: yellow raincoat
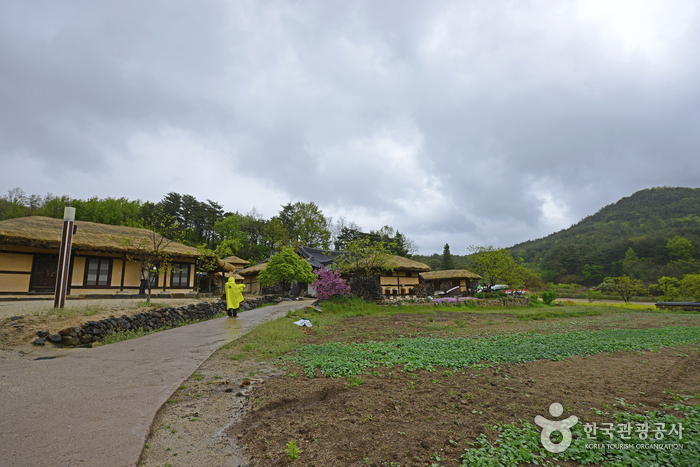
[234, 294]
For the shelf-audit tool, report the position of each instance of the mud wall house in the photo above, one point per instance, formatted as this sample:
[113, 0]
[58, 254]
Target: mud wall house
[226, 268]
[99, 264]
[250, 277]
[465, 280]
[403, 278]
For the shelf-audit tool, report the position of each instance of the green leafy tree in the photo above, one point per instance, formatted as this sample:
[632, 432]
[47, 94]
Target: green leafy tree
[690, 286]
[593, 273]
[516, 276]
[669, 287]
[285, 267]
[447, 261]
[626, 287]
[494, 265]
[306, 225]
[680, 248]
[365, 256]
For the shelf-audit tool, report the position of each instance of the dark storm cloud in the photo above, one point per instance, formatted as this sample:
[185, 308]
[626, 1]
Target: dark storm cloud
[460, 122]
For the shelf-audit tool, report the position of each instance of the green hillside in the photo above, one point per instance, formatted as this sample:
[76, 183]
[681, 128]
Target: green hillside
[630, 236]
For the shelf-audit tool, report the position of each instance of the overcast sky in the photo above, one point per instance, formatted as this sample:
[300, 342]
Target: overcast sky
[474, 122]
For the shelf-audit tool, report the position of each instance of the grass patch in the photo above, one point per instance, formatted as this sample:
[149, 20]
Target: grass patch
[336, 359]
[267, 340]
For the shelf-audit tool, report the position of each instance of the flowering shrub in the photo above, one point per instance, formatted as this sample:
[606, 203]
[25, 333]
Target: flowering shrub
[329, 284]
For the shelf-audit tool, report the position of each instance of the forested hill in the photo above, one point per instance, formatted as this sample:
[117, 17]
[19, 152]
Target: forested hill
[653, 233]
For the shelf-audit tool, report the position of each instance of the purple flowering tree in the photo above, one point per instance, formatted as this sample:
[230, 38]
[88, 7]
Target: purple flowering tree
[329, 284]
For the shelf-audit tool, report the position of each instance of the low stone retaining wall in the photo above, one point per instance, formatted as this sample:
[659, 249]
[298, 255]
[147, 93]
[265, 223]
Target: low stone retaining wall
[480, 302]
[685, 306]
[92, 331]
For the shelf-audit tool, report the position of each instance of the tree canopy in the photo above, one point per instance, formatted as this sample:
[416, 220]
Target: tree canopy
[447, 262]
[285, 267]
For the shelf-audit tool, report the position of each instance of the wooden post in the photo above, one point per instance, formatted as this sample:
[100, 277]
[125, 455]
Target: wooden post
[64, 257]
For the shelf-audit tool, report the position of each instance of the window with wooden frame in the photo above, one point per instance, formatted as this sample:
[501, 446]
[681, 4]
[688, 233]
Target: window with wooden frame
[98, 272]
[180, 276]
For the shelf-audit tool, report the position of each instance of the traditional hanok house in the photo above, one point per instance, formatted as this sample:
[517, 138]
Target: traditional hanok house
[216, 271]
[444, 280]
[235, 262]
[317, 259]
[250, 277]
[230, 266]
[320, 258]
[403, 278]
[101, 264]
[398, 276]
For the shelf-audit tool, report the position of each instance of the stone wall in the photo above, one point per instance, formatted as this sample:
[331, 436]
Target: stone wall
[480, 302]
[92, 331]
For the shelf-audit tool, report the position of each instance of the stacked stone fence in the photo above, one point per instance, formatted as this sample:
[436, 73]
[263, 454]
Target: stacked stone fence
[168, 317]
[479, 302]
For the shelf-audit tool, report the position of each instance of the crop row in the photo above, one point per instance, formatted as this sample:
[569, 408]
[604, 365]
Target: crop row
[335, 359]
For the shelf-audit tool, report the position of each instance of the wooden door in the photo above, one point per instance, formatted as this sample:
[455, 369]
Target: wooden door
[43, 279]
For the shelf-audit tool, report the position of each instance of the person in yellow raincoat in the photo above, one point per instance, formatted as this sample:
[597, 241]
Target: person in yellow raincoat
[234, 296]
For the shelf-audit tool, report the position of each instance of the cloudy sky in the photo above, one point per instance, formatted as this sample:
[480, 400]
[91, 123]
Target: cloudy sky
[468, 122]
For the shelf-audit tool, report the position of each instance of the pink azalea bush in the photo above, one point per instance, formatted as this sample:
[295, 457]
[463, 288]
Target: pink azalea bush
[329, 284]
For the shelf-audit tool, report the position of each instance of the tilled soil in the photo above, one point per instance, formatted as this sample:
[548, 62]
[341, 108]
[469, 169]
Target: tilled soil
[238, 412]
[415, 418]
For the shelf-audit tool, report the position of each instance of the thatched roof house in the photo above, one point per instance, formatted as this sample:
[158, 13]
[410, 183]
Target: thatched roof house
[465, 280]
[400, 280]
[100, 262]
[397, 275]
[235, 262]
[232, 265]
[403, 278]
[250, 277]
[45, 232]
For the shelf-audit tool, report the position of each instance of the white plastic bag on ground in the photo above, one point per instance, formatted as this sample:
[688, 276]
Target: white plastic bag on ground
[303, 322]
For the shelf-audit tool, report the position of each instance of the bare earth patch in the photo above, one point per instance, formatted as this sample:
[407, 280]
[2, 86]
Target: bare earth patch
[391, 417]
[38, 315]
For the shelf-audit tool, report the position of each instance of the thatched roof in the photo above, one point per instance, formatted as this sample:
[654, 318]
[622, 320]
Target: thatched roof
[238, 277]
[449, 274]
[405, 264]
[45, 232]
[235, 260]
[253, 270]
[402, 264]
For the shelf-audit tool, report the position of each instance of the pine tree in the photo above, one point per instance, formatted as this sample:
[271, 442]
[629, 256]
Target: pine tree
[447, 262]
